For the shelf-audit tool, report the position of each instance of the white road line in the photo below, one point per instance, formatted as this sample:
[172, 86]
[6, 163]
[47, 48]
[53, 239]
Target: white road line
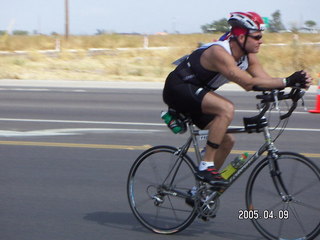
[290, 129]
[72, 131]
[78, 121]
[274, 112]
[43, 90]
[123, 123]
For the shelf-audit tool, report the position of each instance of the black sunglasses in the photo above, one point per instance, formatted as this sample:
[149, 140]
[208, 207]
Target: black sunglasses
[257, 37]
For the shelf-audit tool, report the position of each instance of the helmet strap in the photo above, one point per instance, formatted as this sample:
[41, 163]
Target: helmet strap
[243, 47]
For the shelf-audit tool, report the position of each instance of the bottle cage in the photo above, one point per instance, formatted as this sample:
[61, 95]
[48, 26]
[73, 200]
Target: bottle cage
[179, 118]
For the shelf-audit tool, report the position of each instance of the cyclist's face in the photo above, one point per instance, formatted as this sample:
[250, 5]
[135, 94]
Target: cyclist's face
[254, 40]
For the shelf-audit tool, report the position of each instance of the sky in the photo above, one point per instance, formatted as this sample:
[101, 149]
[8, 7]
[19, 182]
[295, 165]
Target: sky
[142, 16]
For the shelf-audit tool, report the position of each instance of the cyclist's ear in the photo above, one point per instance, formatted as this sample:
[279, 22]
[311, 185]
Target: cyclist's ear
[241, 38]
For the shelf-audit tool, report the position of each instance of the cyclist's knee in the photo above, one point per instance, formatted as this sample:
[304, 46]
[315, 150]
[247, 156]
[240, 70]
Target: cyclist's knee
[229, 140]
[229, 108]
[226, 111]
[219, 106]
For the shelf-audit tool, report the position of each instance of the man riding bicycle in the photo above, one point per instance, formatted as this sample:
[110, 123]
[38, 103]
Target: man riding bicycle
[190, 88]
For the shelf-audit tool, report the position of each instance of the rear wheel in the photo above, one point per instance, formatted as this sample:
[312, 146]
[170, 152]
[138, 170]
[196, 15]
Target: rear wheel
[158, 185]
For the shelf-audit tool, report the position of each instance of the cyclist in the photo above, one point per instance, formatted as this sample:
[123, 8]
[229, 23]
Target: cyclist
[190, 88]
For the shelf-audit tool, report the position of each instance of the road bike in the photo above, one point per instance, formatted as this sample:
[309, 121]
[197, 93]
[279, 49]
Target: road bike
[282, 192]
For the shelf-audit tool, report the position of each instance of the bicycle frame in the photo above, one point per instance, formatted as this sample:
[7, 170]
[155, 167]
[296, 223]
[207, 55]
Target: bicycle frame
[202, 135]
[268, 145]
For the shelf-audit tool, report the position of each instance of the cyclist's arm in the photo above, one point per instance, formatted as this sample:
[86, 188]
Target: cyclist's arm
[255, 68]
[217, 59]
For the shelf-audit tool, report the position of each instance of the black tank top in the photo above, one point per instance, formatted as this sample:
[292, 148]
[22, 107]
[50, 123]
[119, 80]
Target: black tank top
[201, 73]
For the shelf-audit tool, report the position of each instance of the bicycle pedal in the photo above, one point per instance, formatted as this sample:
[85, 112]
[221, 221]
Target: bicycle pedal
[190, 202]
[216, 189]
[203, 218]
[206, 219]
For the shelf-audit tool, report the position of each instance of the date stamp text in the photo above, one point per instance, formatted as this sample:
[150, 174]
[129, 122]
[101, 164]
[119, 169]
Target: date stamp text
[265, 214]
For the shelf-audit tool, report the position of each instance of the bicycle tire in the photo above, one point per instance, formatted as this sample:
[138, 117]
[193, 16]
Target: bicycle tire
[295, 215]
[145, 184]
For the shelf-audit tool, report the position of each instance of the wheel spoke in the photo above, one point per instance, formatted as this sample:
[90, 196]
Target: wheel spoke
[155, 171]
[157, 186]
[173, 209]
[281, 225]
[297, 218]
[274, 206]
[306, 205]
[300, 186]
[307, 186]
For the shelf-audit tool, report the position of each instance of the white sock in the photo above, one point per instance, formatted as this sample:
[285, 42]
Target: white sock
[204, 165]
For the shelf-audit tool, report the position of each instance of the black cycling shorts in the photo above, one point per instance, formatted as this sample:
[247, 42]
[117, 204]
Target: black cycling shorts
[186, 98]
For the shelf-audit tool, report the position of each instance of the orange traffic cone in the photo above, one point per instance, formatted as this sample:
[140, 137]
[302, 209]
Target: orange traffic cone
[317, 107]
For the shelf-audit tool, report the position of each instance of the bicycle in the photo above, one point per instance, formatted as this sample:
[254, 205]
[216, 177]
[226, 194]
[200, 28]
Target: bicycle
[279, 191]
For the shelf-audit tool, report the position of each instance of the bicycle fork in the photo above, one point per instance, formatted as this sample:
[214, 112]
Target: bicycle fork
[274, 169]
[275, 173]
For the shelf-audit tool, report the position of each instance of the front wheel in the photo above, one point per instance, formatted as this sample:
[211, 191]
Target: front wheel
[283, 197]
[157, 188]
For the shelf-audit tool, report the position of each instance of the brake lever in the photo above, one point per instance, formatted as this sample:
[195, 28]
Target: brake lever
[302, 94]
[303, 104]
[276, 99]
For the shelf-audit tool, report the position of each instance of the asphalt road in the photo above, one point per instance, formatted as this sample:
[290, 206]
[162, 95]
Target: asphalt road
[66, 153]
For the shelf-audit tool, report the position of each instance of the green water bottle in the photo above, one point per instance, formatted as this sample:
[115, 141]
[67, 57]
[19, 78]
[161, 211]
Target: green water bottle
[171, 122]
[234, 165]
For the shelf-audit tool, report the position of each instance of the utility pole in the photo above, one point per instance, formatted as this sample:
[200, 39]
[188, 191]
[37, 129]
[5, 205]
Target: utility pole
[67, 19]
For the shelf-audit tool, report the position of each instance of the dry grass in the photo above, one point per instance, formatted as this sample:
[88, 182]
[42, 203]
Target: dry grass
[138, 64]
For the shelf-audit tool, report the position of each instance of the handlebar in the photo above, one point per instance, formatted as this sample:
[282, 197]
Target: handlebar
[276, 95]
[258, 122]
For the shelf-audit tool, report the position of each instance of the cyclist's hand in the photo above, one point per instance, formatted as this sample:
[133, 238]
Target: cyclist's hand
[299, 79]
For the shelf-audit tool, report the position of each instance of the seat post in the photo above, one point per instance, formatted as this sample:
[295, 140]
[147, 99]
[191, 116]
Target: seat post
[193, 135]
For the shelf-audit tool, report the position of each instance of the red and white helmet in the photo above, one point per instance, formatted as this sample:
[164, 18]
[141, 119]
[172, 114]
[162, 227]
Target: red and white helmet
[249, 20]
